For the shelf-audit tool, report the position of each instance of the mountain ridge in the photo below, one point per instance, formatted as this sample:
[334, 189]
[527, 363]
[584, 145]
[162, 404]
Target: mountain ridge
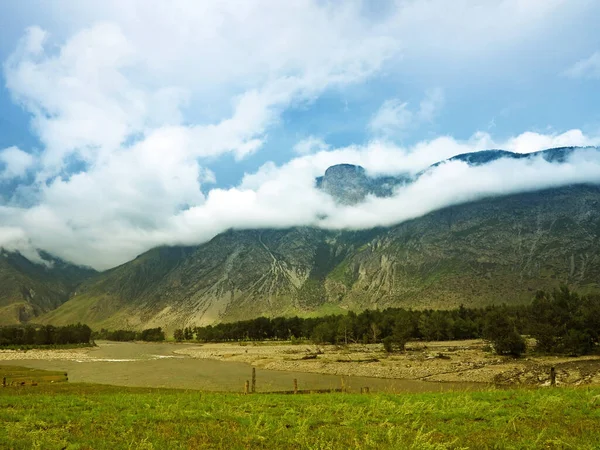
[493, 250]
[349, 184]
[29, 289]
[477, 254]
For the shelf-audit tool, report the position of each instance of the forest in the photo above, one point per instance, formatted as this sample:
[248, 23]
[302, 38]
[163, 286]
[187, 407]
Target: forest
[148, 335]
[561, 322]
[41, 335]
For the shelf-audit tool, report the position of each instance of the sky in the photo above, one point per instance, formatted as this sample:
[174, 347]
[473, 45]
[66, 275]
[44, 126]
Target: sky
[127, 125]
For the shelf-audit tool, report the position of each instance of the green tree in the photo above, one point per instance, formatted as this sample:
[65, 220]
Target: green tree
[178, 335]
[402, 331]
[345, 329]
[500, 330]
[323, 333]
[435, 326]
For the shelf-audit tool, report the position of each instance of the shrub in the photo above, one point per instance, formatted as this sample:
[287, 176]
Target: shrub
[388, 344]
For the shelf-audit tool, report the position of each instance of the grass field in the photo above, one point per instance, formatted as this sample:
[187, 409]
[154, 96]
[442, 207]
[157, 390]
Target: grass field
[15, 375]
[80, 416]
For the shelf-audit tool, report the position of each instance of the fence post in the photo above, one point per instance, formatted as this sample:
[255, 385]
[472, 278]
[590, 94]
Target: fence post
[552, 376]
[253, 380]
[343, 385]
[295, 386]
[3, 381]
[247, 387]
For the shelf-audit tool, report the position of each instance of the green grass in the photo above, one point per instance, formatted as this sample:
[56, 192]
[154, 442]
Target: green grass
[79, 416]
[17, 375]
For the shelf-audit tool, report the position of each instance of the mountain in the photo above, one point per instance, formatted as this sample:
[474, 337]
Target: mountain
[495, 250]
[349, 184]
[28, 289]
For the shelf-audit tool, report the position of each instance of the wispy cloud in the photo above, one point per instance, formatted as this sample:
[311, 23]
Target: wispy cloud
[395, 117]
[391, 118]
[431, 105]
[587, 68]
[311, 144]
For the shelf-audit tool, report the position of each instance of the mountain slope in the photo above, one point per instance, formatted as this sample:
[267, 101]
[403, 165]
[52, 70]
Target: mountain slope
[491, 251]
[28, 289]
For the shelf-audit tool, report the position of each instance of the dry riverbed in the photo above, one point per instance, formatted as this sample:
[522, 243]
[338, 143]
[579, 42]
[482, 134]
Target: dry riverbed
[169, 365]
[453, 361]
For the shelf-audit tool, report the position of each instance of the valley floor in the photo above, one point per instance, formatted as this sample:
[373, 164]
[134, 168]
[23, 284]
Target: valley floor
[453, 363]
[450, 361]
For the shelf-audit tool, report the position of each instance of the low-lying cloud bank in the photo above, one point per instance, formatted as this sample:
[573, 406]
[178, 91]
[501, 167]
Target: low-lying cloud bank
[132, 104]
[286, 196]
[99, 219]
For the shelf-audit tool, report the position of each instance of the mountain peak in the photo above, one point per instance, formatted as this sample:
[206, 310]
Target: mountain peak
[345, 170]
[349, 184]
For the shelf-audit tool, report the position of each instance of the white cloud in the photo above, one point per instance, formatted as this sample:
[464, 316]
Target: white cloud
[394, 117]
[310, 31]
[463, 183]
[311, 144]
[112, 96]
[16, 163]
[531, 142]
[112, 213]
[286, 196]
[80, 100]
[115, 81]
[14, 239]
[144, 94]
[586, 68]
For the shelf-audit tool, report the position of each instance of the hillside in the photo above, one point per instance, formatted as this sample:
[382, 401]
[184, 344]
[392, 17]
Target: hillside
[28, 289]
[491, 251]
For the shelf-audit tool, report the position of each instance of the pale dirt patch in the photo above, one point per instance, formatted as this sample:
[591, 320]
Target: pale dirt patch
[451, 361]
[46, 355]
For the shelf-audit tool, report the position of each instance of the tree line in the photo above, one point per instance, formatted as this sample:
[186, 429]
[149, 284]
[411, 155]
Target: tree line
[149, 335]
[33, 335]
[561, 321]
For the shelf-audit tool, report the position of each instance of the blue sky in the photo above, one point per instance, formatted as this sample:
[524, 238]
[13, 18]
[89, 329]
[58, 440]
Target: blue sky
[182, 98]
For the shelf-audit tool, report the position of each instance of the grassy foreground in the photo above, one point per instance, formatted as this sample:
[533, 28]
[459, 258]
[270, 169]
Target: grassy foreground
[79, 416]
